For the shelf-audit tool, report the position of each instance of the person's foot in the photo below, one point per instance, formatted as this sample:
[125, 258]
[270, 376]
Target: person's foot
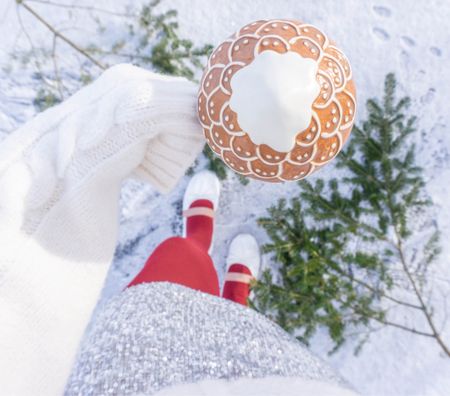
[243, 266]
[199, 204]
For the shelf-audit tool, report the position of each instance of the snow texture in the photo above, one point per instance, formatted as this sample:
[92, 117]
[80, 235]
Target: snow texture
[410, 38]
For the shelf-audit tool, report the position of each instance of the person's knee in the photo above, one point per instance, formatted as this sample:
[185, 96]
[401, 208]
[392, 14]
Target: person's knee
[174, 242]
[183, 246]
[175, 239]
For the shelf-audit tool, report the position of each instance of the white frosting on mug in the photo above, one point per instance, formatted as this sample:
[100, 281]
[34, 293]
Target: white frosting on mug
[273, 97]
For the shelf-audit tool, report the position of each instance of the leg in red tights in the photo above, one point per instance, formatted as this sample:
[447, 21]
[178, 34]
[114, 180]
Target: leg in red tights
[237, 284]
[186, 260]
[243, 265]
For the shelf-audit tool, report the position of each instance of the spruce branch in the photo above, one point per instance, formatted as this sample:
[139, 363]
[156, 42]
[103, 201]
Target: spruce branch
[372, 202]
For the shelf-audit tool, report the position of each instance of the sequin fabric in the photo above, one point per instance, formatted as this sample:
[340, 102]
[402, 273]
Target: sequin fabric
[159, 334]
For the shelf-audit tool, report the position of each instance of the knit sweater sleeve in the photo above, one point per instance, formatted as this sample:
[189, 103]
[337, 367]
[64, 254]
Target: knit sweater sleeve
[60, 177]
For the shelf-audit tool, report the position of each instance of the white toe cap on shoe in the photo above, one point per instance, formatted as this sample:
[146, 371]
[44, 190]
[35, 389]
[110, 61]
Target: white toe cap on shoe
[245, 250]
[203, 185]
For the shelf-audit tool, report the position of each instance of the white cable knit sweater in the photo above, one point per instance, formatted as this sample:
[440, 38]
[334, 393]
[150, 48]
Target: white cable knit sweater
[60, 177]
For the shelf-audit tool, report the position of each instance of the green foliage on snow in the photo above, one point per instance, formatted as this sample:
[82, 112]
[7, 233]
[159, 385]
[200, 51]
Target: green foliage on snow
[148, 38]
[341, 243]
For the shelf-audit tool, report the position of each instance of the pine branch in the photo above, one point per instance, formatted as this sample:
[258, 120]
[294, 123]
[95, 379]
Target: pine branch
[374, 202]
[399, 229]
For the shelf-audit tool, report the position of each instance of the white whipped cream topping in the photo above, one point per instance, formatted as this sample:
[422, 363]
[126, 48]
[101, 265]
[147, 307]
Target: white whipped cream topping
[273, 97]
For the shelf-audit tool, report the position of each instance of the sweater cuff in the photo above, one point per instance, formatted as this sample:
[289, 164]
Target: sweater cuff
[167, 158]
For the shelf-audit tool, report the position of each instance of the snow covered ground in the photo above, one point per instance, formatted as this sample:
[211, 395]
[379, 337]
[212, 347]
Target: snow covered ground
[410, 38]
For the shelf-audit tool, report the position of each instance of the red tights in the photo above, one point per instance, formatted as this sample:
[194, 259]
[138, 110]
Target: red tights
[186, 261]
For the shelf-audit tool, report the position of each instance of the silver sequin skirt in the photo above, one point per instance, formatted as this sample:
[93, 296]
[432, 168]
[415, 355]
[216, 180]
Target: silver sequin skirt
[158, 334]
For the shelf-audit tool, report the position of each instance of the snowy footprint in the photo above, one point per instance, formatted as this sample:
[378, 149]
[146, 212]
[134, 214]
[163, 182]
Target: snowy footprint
[381, 34]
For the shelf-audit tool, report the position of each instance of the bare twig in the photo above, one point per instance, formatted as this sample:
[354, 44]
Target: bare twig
[60, 35]
[56, 69]
[86, 8]
[33, 49]
[386, 322]
[403, 327]
[381, 292]
[419, 296]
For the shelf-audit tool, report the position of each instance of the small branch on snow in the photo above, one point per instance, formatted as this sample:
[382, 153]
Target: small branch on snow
[85, 8]
[60, 35]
